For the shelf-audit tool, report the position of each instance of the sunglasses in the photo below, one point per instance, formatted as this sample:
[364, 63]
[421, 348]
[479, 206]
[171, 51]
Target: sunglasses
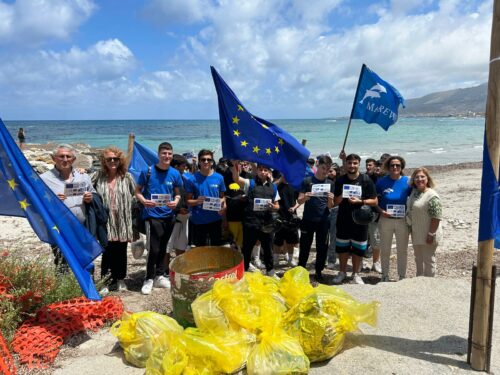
[112, 160]
[205, 160]
[395, 165]
[64, 157]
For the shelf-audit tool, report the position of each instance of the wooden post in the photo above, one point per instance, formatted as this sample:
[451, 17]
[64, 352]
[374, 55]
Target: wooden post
[130, 148]
[304, 141]
[479, 350]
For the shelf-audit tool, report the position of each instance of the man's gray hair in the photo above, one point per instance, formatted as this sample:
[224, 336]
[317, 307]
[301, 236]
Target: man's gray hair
[64, 146]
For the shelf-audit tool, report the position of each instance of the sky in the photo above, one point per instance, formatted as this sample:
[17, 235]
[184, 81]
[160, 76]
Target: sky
[284, 59]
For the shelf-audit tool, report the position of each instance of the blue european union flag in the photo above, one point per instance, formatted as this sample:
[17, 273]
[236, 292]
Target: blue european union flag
[377, 101]
[142, 158]
[250, 138]
[24, 194]
[489, 209]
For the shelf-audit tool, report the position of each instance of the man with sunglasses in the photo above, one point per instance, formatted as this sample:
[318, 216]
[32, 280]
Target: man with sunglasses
[159, 192]
[205, 195]
[72, 187]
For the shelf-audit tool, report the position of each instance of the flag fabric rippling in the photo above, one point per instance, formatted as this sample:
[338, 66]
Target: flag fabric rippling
[142, 158]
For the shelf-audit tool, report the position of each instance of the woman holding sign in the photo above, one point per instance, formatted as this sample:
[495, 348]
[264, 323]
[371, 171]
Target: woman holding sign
[392, 190]
[116, 187]
[424, 215]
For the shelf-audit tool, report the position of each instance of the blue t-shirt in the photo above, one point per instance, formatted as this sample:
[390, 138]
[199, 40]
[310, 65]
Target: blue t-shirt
[160, 182]
[205, 186]
[392, 191]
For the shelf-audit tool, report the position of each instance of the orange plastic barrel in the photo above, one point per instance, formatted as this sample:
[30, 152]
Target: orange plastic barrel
[194, 272]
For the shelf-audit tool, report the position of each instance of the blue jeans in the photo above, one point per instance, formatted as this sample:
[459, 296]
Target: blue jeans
[332, 255]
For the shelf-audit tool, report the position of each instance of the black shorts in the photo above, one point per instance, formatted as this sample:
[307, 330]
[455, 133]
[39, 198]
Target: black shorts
[351, 238]
[291, 236]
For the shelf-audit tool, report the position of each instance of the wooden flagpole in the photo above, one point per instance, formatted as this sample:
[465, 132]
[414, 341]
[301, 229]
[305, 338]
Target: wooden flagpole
[353, 106]
[481, 317]
[130, 148]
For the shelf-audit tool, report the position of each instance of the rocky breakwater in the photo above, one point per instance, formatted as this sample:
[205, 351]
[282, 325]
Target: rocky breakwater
[39, 156]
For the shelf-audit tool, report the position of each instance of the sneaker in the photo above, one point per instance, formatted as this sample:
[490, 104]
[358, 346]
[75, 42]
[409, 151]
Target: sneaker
[121, 286]
[252, 268]
[276, 259]
[385, 278]
[357, 279]
[293, 262]
[258, 263]
[330, 265]
[365, 267]
[104, 291]
[161, 282]
[339, 278]
[147, 287]
[377, 267]
[271, 273]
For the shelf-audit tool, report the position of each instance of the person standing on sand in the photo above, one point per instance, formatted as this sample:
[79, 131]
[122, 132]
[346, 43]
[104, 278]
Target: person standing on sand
[72, 187]
[158, 190]
[316, 193]
[352, 191]
[116, 187]
[393, 190]
[205, 195]
[21, 136]
[424, 216]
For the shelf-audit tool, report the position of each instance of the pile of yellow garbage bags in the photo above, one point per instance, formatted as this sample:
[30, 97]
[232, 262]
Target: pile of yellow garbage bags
[270, 326]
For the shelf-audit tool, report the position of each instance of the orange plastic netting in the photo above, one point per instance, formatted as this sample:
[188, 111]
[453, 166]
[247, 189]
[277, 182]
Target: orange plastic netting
[38, 340]
[7, 366]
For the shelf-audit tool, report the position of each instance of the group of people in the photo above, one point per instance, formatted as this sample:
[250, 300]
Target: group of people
[350, 214]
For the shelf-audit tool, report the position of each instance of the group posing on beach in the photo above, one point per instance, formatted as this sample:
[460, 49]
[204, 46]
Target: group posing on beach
[186, 203]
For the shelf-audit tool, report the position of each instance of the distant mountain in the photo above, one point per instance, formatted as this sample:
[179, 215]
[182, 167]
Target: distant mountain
[469, 101]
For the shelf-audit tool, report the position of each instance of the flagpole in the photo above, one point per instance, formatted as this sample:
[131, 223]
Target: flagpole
[481, 316]
[130, 148]
[353, 106]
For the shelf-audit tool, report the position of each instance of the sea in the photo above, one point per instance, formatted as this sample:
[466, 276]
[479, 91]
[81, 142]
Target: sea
[419, 140]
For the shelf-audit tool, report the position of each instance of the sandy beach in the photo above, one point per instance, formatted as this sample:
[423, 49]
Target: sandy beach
[459, 189]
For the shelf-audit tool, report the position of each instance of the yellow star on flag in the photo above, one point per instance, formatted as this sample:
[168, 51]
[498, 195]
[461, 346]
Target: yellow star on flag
[12, 184]
[264, 126]
[256, 149]
[268, 151]
[281, 142]
[276, 149]
[236, 120]
[236, 133]
[244, 143]
[56, 228]
[240, 108]
[24, 204]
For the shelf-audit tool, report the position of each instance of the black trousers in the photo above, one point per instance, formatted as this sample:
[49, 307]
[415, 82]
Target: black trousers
[250, 238]
[208, 234]
[114, 260]
[307, 231]
[159, 234]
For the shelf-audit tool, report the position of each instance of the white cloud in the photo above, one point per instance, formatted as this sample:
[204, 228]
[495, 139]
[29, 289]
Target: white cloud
[31, 22]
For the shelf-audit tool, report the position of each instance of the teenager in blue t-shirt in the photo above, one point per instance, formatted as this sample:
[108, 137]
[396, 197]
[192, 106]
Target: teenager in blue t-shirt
[158, 190]
[393, 189]
[205, 215]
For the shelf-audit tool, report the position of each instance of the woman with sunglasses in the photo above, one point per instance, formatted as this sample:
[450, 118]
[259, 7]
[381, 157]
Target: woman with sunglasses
[116, 187]
[393, 190]
[424, 216]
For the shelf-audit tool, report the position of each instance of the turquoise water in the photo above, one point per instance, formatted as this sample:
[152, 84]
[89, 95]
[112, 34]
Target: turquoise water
[421, 141]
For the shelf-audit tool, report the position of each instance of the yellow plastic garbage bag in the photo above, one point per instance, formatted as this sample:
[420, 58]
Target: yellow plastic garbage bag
[169, 356]
[226, 352]
[277, 353]
[138, 334]
[320, 323]
[295, 285]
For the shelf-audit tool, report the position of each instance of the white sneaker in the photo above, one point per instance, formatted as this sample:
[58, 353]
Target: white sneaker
[252, 268]
[377, 267]
[357, 279]
[339, 278]
[147, 287]
[104, 291]
[293, 263]
[121, 286]
[161, 282]
[276, 259]
[258, 263]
